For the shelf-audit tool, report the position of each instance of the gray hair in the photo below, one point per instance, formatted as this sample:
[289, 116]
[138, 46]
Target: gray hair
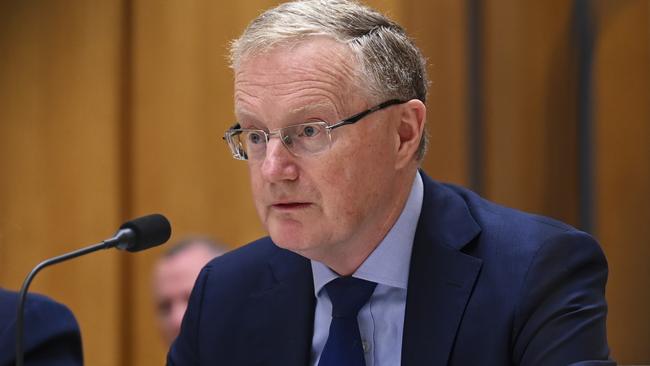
[211, 245]
[390, 65]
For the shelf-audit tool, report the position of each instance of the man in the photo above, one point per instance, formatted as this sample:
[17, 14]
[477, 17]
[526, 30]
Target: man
[369, 261]
[51, 333]
[173, 277]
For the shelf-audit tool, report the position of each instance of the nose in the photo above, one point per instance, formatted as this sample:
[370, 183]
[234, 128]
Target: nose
[279, 164]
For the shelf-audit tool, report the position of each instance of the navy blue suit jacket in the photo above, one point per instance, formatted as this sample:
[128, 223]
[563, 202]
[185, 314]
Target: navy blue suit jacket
[488, 285]
[51, 333]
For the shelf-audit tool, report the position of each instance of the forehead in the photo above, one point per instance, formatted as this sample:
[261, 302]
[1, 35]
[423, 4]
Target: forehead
[317, 72]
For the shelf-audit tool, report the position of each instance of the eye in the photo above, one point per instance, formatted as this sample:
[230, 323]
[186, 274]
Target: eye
[255, 138]
[164, 307]
[309, 131]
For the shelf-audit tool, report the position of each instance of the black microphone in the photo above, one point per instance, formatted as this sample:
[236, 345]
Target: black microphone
[138, 234]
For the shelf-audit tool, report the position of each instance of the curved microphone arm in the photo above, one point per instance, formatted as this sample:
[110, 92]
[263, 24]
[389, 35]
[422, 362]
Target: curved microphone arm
[133, 236]
[118, 240]
[28, 280]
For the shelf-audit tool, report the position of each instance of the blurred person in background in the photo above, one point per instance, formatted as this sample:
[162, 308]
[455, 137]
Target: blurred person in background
[173, 278]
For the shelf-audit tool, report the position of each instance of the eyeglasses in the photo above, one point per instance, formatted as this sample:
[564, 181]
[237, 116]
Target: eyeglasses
[301, 140]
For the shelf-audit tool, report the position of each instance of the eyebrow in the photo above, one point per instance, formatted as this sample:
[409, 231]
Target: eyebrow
[312, 107]
[242, 113]
[245, 114]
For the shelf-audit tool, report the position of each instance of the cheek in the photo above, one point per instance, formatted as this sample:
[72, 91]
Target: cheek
[257, 190]
[358, 183]
[344, 190]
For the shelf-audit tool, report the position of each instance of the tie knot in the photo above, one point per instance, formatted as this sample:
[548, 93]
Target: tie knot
[348, 295]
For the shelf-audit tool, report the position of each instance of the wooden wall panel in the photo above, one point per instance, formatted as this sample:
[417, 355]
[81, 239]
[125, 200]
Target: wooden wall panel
[439, 29]
[623, 171]
[59, 158]
[529, 100]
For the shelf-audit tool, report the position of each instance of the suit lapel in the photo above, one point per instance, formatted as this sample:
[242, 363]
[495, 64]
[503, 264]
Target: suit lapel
[441, 277]
[284, 313]
[441, 280]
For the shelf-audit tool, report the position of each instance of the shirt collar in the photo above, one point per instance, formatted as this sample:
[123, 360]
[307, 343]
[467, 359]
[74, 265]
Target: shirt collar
[389, 263]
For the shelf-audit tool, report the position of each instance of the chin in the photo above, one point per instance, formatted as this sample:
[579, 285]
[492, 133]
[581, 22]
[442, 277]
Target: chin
[287, 241]
[289, 237]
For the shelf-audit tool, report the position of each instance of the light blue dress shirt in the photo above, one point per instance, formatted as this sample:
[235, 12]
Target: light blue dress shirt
[381, 320]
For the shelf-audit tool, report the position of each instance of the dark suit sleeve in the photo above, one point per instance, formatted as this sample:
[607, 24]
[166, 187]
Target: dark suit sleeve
[560, 319]
[51, 333]
[53, 336]
[185, 349]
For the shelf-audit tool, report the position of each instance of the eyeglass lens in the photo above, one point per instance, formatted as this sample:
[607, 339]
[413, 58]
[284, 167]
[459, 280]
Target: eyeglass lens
[302, 139]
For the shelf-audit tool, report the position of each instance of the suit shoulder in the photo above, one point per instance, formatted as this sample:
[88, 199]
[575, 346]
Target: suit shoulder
[42, 307]
[495, 217]
[252, 266]
[515, 237]
[246, 257]
[38, 308]
[51, 330]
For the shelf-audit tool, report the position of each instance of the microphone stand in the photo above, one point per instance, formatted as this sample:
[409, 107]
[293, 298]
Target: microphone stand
[118, 240]
[133, 236]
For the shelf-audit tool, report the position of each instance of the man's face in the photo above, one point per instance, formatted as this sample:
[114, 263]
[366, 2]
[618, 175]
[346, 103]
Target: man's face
[173, 281]
[335, 204]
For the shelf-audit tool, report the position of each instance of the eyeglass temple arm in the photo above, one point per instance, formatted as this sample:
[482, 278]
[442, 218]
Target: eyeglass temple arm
[236, 126]
[360, 115]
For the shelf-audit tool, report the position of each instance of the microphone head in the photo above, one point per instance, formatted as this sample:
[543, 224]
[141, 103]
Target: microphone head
[149, 231]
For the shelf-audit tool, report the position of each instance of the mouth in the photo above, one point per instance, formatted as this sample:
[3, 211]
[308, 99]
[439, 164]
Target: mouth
[290, 206]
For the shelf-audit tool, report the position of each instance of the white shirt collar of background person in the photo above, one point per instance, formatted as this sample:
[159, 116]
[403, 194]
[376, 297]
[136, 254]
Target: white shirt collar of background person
[381, 320]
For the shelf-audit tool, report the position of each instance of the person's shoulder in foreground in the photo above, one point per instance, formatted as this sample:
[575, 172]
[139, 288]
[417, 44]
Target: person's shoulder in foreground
[51, 335]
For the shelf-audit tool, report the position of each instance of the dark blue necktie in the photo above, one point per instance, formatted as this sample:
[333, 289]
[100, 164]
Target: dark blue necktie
[343, 347]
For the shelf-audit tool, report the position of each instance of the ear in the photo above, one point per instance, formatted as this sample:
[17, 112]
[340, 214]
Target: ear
[409, 131]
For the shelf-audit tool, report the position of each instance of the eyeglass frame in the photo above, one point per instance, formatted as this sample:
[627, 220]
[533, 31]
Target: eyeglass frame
[238, 152]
